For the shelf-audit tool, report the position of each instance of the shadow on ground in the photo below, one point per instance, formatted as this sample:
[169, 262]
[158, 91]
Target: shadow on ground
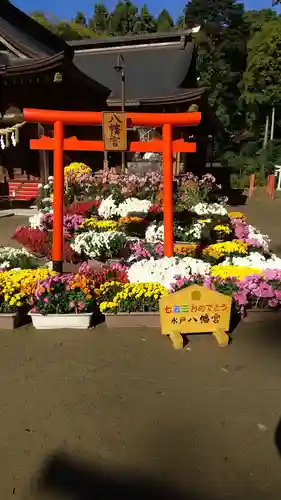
[65, 477]
[277, 437]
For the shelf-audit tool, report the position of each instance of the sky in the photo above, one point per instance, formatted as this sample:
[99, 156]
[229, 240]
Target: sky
[67, 8]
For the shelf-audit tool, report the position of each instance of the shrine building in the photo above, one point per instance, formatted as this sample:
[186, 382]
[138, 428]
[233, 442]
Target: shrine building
[149, 73]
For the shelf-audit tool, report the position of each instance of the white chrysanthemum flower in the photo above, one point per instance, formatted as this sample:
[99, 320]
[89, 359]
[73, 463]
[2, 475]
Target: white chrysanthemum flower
[5, 265]
[96, 245]
[165, 271]
[255, 260]
[209, 209]
[263, 240]
[154, 233]
[15, 258]
[35, 220]
[134, 206]
[108, 208]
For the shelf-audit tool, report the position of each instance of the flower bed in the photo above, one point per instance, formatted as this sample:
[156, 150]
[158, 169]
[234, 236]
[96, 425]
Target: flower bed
[121, 216]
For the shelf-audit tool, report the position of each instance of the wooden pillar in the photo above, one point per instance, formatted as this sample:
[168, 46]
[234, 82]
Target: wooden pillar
[57, 254]
[168, 190]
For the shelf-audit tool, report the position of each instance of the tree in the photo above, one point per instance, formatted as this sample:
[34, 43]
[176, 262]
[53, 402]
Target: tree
[256, 99]
[221, 45]
[146, 22]
[214, 15]
[124, 19]
[262, 78]
[80, 19]
[47, 22]
[255, 19]
[66, 30]
[100, 20]
[164, 22]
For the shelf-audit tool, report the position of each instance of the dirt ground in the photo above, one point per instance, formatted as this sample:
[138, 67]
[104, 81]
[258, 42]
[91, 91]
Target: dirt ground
[114, 414]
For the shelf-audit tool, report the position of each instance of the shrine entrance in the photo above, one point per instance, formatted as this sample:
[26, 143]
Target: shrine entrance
[58, 144]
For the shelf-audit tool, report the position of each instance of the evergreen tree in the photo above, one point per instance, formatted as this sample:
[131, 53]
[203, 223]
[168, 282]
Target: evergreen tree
[221, 57]
[100, 20]
[80, 19]
[124, 19]
[146, 22]
[255, 19]
[262, 78]
[164, 22]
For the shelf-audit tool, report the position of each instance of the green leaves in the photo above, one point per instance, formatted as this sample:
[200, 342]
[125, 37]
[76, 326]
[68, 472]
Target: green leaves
[164, 22]
[262, 78]
[221, 54]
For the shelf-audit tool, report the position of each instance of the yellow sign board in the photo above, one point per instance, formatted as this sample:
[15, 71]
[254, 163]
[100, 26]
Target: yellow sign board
[114, 131]
[195, 309]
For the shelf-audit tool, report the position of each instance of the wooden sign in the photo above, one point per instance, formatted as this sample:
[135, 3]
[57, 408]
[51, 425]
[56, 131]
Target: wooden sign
[114, 131]
[195, 309]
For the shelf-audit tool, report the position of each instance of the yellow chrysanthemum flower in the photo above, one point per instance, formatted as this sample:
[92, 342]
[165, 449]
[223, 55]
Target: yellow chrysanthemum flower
[236, 215]
[234, 272]
[223, 228]
[218, 250]
[99, 225]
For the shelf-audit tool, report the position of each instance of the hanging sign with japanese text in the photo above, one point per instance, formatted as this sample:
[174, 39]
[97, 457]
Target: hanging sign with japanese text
[114, 126]
[195, 309]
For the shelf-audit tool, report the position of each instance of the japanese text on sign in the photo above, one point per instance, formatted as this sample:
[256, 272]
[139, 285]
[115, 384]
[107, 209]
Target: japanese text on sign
[195, 309]
[115, 131]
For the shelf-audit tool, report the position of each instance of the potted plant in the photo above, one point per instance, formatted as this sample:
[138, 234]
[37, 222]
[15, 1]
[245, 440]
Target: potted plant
[219, 251]
[79, 180]
[221, 232]
[62, 301]
[133, 226]
[131, 304]
[256, 294]
[16, 286]
[99, 245]
[259, 297]
[11, 258]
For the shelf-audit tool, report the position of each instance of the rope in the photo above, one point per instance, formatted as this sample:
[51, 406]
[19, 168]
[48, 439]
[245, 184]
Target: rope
[10, 131]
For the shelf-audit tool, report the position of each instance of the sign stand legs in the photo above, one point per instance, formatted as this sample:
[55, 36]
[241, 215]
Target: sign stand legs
[221, 337]
[177, 340]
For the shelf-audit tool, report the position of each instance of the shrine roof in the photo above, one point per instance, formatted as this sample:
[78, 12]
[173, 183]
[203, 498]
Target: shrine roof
[27, 48]
[159, 68]
[27, 36]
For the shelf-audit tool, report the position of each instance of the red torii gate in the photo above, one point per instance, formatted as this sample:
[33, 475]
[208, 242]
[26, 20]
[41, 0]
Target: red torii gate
[59, 143]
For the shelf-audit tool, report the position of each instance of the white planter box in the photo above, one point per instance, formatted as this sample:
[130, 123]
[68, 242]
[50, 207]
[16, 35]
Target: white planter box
[61, 321]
